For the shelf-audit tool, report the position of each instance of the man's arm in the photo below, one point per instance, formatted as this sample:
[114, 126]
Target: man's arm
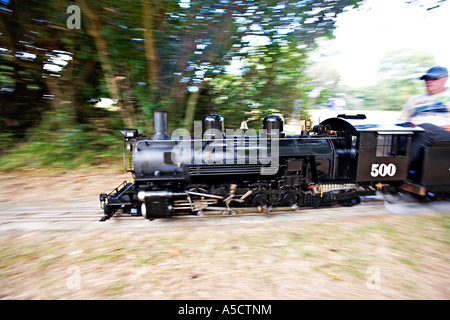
[405, 114]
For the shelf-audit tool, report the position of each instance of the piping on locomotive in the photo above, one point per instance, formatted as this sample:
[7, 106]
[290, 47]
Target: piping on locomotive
[335, 162]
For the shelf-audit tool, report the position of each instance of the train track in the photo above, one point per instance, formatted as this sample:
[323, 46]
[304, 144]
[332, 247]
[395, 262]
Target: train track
[16, 216]
[71, 217]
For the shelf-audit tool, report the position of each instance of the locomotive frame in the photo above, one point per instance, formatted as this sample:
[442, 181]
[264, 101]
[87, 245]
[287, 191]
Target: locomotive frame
[335, 162]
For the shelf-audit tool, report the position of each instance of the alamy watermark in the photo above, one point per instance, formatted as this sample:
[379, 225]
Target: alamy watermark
[374, 280]
[235, 147]
[73, 281]
[74, 20]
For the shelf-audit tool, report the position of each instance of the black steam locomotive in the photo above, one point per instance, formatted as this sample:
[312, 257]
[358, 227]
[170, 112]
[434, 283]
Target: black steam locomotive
[335, 162]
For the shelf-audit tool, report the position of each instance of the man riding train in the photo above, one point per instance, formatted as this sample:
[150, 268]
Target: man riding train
[430, 111]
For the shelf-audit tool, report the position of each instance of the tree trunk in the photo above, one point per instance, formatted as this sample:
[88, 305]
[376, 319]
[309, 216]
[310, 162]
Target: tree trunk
[94, 29]
[190, 109]
[150, 47]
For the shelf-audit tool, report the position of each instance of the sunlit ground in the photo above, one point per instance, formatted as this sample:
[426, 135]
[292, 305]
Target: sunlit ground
[384, 257]
[368, 256]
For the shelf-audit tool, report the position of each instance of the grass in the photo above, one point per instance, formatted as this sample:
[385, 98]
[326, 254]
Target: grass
[329, 260]
[57, 142]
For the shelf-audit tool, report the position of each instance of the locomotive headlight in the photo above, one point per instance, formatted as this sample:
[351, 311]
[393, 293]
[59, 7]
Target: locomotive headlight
[129, 133]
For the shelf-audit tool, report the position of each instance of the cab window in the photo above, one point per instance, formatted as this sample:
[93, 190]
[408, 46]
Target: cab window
[390, 145]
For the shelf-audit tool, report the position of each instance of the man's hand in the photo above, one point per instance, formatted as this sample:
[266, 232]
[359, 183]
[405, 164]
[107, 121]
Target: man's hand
[406, 124]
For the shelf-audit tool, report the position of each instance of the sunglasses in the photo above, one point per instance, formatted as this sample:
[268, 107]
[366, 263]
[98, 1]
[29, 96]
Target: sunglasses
[432, 78]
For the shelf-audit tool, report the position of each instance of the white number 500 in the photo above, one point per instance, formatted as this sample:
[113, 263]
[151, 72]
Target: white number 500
[383, 169]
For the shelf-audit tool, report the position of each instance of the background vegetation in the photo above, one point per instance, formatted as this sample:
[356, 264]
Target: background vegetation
[242, 59]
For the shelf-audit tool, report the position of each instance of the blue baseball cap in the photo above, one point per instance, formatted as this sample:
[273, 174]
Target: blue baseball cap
[435, 73]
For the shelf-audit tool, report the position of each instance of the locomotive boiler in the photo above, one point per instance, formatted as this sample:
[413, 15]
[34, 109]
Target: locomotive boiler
[218, 169]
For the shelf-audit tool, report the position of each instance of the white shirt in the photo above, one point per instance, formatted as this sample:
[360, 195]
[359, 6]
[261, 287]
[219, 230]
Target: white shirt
[426, 108]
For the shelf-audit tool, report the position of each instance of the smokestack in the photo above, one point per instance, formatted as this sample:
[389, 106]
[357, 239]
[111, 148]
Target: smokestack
[160, 126]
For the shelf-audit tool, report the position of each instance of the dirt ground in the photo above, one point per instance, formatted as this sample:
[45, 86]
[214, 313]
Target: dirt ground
[363, 256]
[38, 188]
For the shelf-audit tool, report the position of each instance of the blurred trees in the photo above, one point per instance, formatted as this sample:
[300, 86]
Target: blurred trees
[272, 78]
[146, 55]
[399, 75]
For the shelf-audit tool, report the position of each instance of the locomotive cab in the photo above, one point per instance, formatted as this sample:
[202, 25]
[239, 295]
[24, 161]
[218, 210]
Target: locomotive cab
[379, 155]
[378, 152]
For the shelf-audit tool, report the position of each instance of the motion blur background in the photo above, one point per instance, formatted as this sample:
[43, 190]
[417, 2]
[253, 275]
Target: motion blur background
[72, 73]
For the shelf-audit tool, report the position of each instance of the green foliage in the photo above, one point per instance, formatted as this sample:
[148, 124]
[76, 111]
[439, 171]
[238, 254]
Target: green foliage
[269, 84]
[146, 55]
[56, 143]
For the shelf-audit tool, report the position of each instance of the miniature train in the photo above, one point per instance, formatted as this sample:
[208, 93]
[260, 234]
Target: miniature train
[335, 162]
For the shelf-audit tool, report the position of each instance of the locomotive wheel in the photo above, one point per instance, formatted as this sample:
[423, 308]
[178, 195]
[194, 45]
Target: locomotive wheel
[221, 191]
[198, 190]
[260, 199]
[289, 199]
[351, 202]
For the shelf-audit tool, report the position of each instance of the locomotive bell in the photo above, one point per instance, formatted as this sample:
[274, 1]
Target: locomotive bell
[244, 125]
[272, 123]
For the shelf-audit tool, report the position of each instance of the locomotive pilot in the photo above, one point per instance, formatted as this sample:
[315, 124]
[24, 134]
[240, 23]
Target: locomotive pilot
[431, 111]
